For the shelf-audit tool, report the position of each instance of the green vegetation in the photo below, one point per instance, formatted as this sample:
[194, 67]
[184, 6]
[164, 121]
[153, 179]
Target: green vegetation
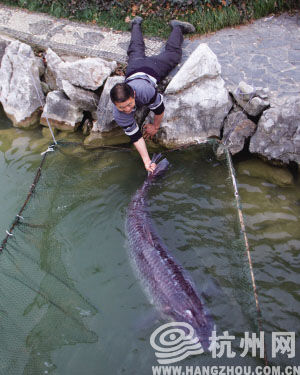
[206, 15]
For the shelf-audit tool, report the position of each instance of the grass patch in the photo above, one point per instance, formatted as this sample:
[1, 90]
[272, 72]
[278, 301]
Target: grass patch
[205, 18]
[262, 8]
[210, 20]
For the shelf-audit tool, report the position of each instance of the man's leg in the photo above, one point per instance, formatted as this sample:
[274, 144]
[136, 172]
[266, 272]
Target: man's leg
[171, 56]
[136, 49]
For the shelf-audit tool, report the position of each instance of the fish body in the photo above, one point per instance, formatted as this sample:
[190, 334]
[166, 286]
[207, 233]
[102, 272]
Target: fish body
[167, 285]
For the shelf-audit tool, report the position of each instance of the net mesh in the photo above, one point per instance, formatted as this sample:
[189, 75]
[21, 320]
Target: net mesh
[35, 287]
[41, 307]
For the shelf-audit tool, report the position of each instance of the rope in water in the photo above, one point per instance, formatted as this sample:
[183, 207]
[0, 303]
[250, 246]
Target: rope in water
[243, 230]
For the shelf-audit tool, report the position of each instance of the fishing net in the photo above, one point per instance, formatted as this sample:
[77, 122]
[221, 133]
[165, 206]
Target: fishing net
[54, 288]
[35, 286]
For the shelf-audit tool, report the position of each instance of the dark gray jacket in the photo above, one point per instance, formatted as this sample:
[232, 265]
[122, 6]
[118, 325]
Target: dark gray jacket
[145, 94]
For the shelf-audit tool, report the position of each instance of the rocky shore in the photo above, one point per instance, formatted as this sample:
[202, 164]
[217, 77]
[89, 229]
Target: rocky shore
[72, 93]
[203, 97]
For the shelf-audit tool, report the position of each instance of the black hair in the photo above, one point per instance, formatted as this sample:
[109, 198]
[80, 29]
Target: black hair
[121, 92]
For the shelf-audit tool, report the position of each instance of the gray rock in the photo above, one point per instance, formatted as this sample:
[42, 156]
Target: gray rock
[200, 66]
[251, 99]
[262, 92]
[88, 73]
[256, 106]
[86, 100]
[278, 132]
[105, 121]
[245, 91]
[53, 61]
[21, 94]
[196, 101]
[237, 128]
[61, 112]
[235, 116]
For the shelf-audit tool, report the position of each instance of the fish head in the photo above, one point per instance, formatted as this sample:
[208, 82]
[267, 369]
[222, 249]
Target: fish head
[201, 321]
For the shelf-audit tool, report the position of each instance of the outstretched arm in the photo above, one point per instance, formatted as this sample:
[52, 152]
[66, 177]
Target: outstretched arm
[140, 145]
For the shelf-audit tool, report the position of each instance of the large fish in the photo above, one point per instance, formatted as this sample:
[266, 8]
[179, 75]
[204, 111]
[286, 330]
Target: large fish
[167, 284]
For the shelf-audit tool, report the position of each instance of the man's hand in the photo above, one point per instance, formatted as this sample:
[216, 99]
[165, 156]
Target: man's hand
[140, 145]
[149, 131]
[150, 167]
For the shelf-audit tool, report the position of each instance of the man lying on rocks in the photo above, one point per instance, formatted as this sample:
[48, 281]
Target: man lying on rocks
[142, 75]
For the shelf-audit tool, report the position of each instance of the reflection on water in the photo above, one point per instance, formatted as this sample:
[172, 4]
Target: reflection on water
[82, 200]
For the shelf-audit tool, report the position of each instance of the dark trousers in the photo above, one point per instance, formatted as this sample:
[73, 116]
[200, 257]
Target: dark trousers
[161, 64]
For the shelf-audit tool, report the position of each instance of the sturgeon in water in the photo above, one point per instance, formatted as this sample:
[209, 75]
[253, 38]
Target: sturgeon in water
[166, 283]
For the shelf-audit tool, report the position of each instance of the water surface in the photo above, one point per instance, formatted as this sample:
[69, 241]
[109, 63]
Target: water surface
[70, 286]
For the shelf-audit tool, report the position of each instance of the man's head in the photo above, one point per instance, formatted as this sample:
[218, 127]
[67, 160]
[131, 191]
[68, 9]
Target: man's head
[123, 97]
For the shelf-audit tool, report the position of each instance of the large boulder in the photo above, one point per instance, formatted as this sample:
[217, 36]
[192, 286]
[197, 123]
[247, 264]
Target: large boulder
[278, 132]
[85, 99]
[21, 93]
[196, 101]
[51, 73]
[61, 112]
[89, 73]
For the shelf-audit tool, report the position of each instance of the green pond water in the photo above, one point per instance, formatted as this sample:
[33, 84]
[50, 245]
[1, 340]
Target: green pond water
[70, 301]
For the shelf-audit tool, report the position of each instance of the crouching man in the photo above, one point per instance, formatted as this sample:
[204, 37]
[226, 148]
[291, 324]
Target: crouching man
[139, 89]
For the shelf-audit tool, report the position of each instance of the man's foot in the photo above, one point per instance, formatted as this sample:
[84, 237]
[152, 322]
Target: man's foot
[136, 20]
[186, 27]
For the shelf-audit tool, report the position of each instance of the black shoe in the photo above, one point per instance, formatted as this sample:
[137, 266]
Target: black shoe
[186, 27]
[136, 20]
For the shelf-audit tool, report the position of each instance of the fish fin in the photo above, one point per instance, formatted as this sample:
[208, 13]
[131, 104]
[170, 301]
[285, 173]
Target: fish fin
[155, 158]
